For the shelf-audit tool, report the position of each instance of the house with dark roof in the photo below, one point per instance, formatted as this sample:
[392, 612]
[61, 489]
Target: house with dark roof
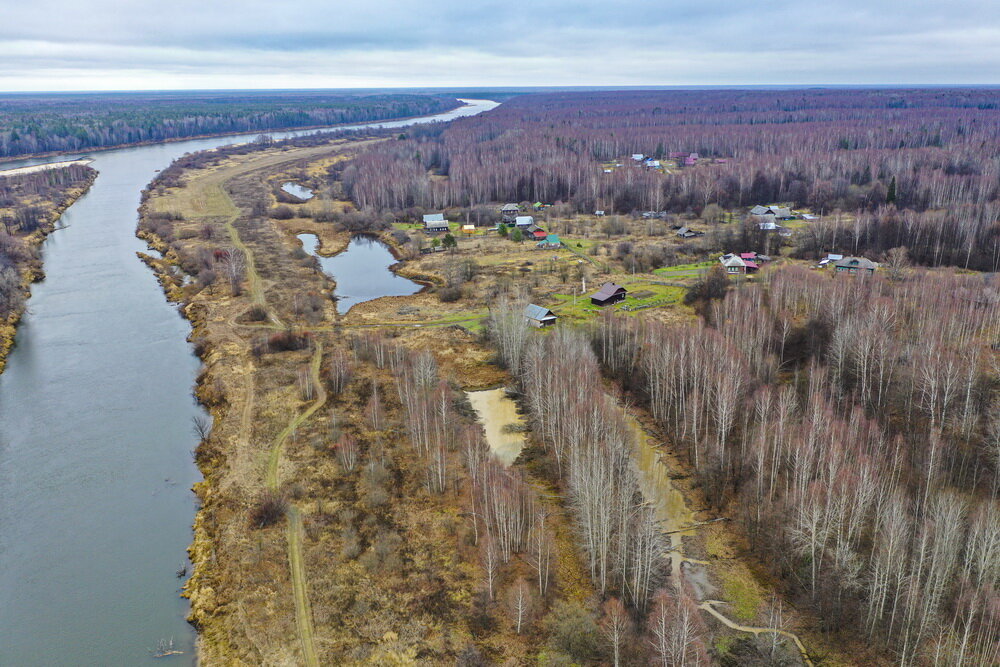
[608, 294]
[855, 265]
[537, 316]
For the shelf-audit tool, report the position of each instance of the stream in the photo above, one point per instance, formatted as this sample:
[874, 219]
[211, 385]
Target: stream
[96, 435]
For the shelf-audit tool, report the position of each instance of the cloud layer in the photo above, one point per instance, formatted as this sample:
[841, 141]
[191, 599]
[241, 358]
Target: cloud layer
[127, 44]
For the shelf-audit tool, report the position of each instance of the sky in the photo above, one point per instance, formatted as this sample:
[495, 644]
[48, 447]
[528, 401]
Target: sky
[213, 44]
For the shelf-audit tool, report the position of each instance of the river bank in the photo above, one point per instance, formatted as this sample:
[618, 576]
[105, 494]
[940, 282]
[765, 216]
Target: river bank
[32, 270]
[216, 135]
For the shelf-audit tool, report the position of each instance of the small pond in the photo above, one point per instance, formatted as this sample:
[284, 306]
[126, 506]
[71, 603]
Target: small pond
[497, 412]
[297, 190]
[361, 271]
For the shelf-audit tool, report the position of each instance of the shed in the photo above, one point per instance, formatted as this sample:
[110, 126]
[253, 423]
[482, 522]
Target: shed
[538, 316]
[608, 294]
[599, 213]
[468, 229]
[638, 157]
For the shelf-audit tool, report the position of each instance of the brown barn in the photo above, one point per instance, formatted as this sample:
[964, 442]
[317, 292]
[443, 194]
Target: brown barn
[608, 294]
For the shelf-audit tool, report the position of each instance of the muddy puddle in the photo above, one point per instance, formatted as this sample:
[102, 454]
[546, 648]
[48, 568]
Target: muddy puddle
[498, 414]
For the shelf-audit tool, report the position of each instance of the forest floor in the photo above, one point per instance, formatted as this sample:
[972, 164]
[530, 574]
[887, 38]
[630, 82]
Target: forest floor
[25, 248]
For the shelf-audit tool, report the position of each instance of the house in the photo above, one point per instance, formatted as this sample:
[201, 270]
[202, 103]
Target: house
[599, 214]
[772, 212]
[538, 206]
[508, 212]
[523, 221]
[691, 160]
[435, 222]
[769, 226]
[688, 233]
[745, 262]
[830, 257]
[855, 265]
[550, 241]
[638, 157]
[539, 234]
[653, 163]
[539, 317]
[468, 229]
[608, 294]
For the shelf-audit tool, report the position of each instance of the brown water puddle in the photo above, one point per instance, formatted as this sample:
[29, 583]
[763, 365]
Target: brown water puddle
[495, 411]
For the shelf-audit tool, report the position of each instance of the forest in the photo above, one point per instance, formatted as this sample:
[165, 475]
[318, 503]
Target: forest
[37, 123]
[854, 427]
[914, 168]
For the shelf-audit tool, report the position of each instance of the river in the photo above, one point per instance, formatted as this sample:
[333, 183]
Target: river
[96, 435]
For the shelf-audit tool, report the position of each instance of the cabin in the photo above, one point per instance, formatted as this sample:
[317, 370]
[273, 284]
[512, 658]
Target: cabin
[435, 222]
[550, 241]
[539, 234]
[769, 226]
[855, 265]
[688, 233]
[508, 212]
[608, 294]
[524, 221]
[538, 316]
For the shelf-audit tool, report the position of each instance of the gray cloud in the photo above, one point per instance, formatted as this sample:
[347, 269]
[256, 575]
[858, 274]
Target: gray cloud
[115, 44]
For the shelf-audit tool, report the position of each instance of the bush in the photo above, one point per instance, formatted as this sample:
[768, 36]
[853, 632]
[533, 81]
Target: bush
[449, 294]
[573, 631]
[269, 510]
[282, 213]
[257, 314]
[287, 341]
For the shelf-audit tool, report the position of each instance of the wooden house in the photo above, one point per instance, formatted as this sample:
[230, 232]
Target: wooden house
[608, 294]
[435, 222]
[538, 316]
[524, 221]
[509, 212]
[855, 265]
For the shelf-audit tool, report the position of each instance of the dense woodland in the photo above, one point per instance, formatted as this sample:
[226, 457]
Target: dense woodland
[854, 428]
[914, 168]
[72, 122]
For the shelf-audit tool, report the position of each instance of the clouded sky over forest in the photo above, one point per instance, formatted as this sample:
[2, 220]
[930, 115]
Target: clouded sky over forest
[132, 44]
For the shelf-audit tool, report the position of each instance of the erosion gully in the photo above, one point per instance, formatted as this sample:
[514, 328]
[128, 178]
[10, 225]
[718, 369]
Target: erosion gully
[96, 436]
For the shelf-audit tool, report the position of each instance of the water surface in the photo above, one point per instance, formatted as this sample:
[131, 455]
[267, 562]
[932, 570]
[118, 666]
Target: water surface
[497, 412]
[297, 190]
[96, 438]
[361, 271]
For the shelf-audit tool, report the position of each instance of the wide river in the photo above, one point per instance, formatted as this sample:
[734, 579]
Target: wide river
[96, 436]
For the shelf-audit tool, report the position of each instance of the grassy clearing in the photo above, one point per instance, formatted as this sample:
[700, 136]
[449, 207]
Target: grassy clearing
[685, 270]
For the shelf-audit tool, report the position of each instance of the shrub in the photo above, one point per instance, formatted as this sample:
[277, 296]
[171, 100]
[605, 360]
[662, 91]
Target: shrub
[449, 294]
[282, 213]
[287, 341]
[269, 510]
[257, 314]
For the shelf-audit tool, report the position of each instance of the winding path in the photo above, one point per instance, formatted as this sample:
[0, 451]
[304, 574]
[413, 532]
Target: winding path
[709, 606]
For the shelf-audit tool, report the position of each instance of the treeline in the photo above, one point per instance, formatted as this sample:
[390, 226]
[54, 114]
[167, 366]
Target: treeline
[28, 203]
[934, 154]
[854, 427]
[72, 122]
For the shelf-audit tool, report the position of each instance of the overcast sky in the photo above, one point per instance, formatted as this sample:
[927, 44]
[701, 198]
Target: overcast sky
[170, 44]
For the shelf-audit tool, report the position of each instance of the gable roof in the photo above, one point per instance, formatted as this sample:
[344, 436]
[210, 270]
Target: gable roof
[534, 312]
[524, 220]
[759, 210]
[732, 260]
[607, 291]
[510, 207]
[856, 263]
[434, 217]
